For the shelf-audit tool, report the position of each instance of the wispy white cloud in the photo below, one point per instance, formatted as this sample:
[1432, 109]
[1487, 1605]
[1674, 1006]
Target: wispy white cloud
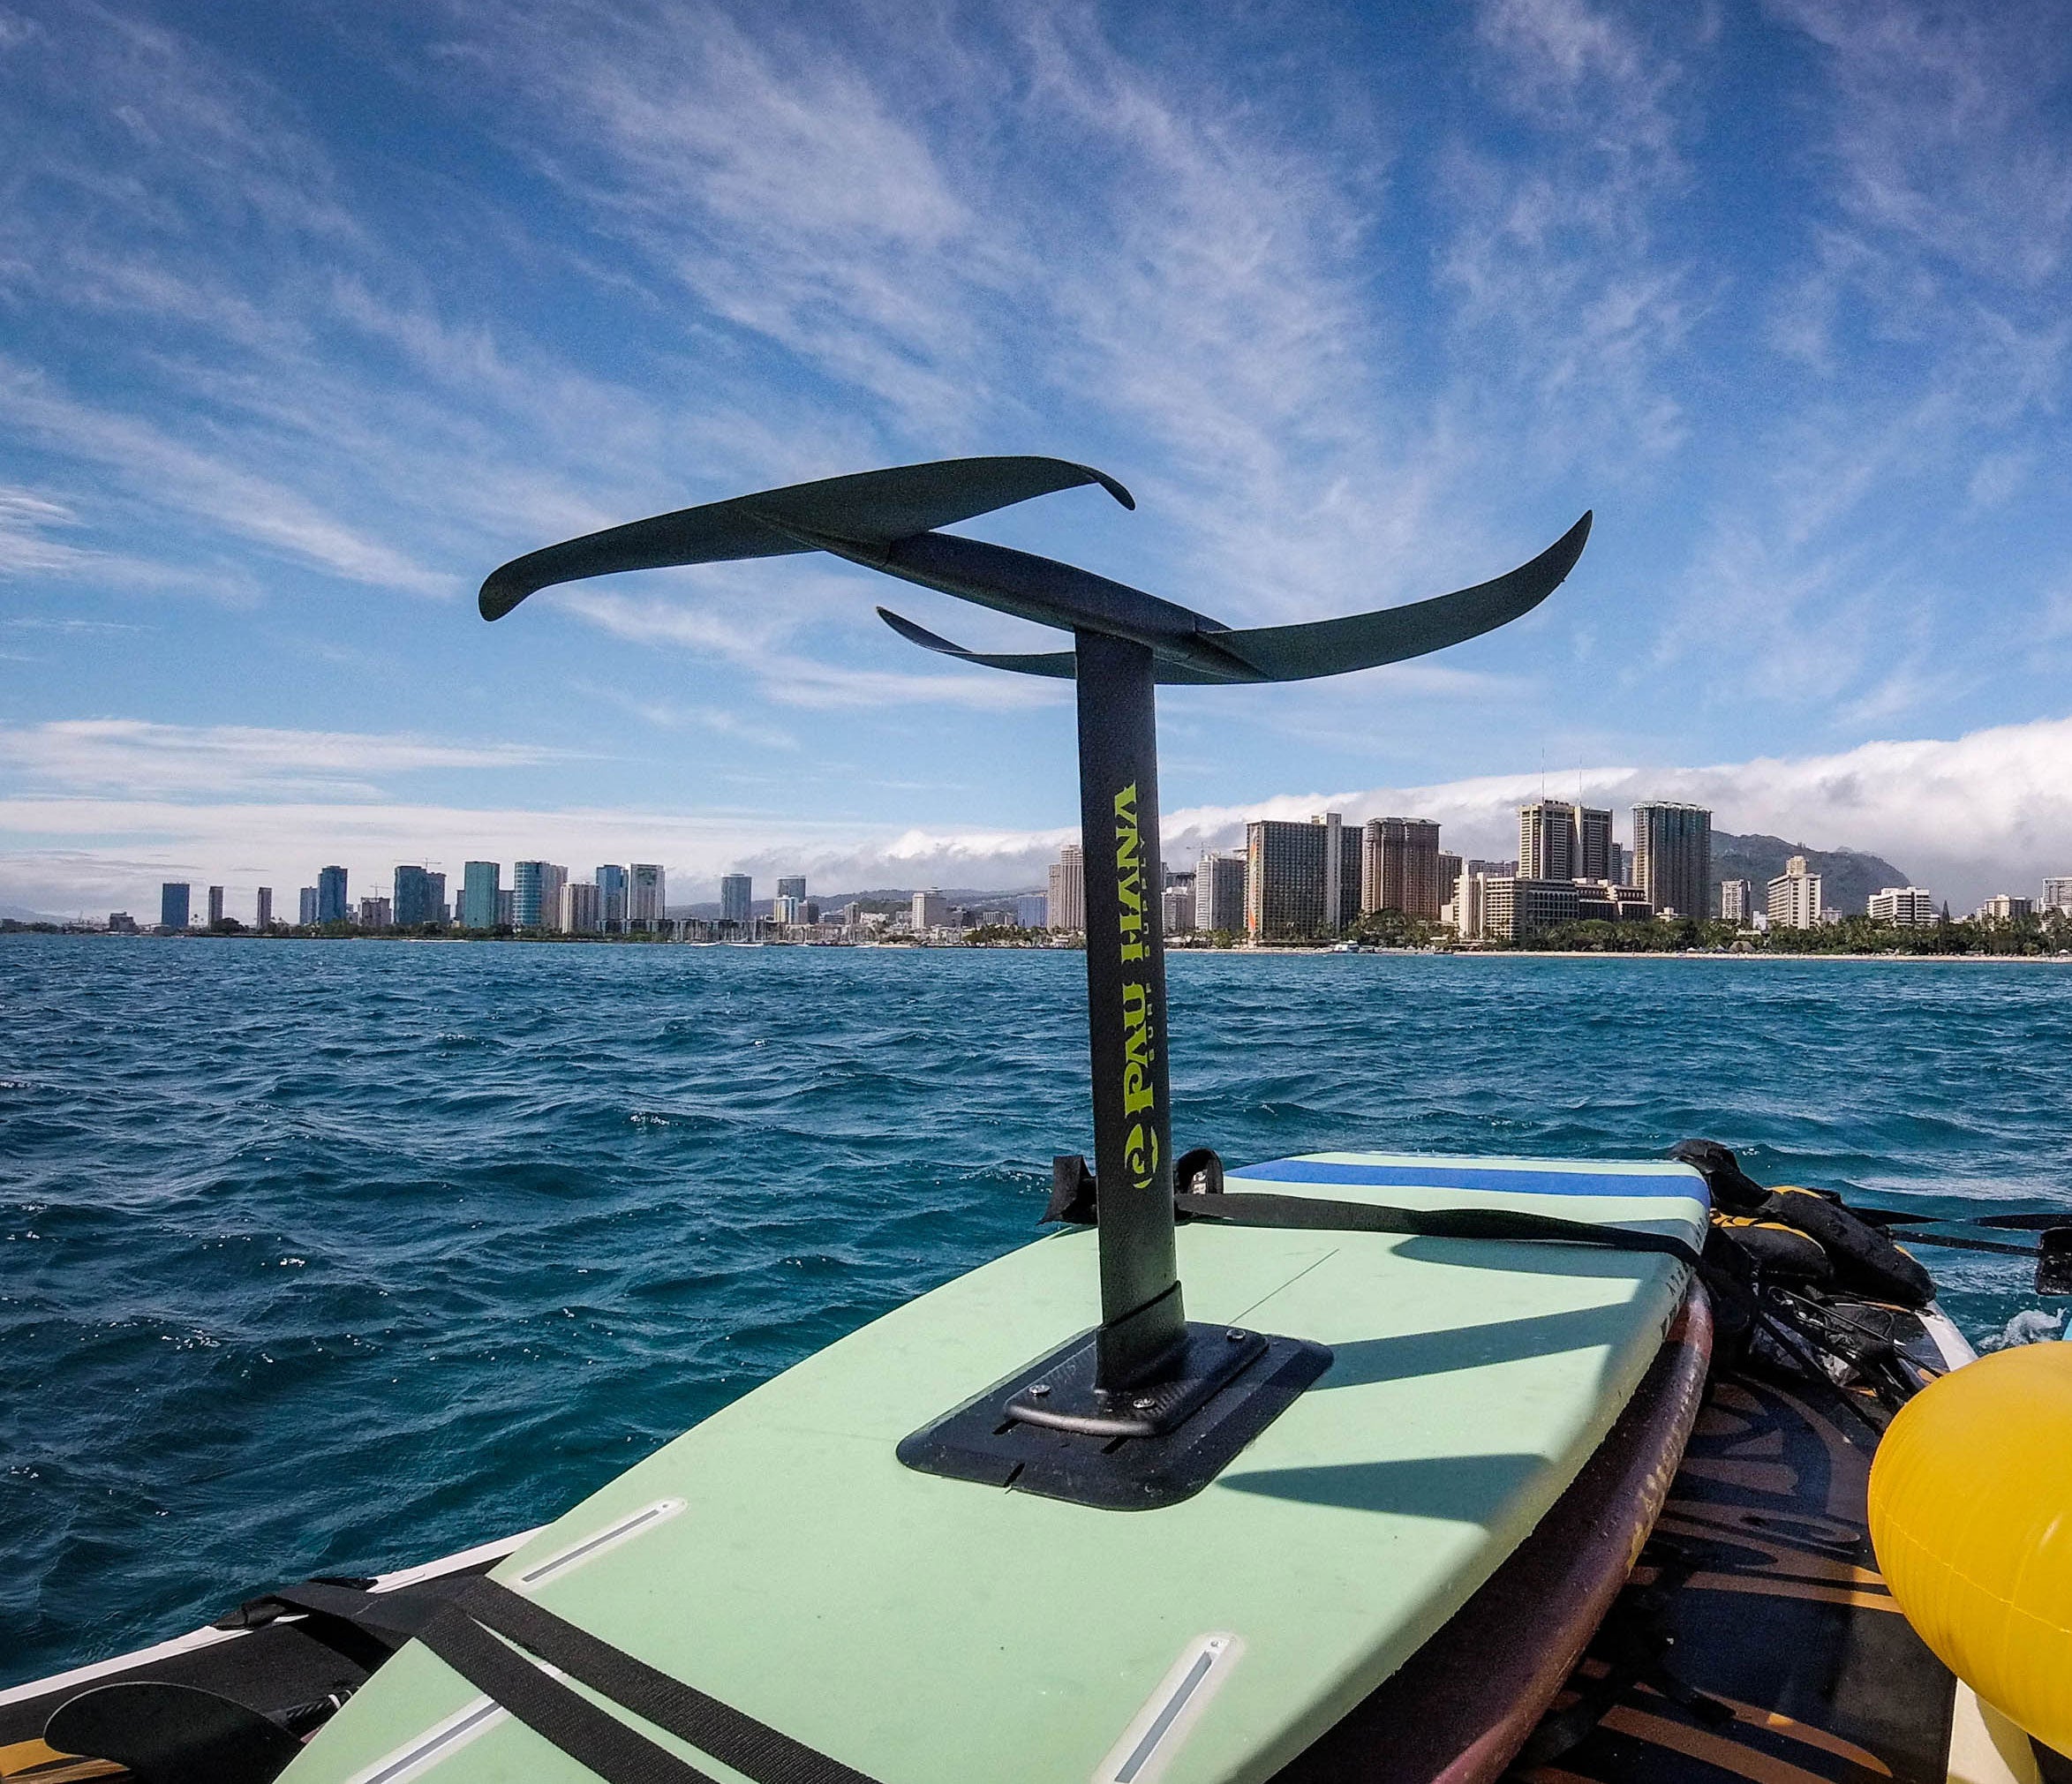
[769, 174]
[788, 677]
[168, 471]
[677, 715]
[1564, 283]
[27, 523]
[1922, 318]
[74, 628]
[1945, 133]
[94, 756]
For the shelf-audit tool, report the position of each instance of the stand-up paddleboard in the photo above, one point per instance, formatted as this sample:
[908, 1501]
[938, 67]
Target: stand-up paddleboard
[915, 1628]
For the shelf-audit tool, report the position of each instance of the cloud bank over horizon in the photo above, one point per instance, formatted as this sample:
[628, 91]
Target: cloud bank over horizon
[1971, 817]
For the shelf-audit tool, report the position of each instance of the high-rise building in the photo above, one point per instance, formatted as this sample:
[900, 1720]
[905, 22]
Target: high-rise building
[737, 892]
[1622, 864]
[1032, 911]
[525, 903]
[1673, 857]
[1399, 866]
[1794, 897]
[215, 905]
[1068, 889]
[1301, 879]
[305, 907]
[2006, 907]
[785, 909]
[481, 881]
[2057, 893]
[577, 909]
[931, 910]
[1178, 910]
[1219, 892]
[262, 909]
[376, 913]
[420, 897]
[793, 886]
[536, 894]
[647, 897]
[1334, 865]
[507, 909]
[1736, 900]
[1449, 865]
[1593, 844]
[331, 906]
[1465, 910]
[1374, 876]
[1547, 840]
[611, 900]
[1905, 907]
[175, 904]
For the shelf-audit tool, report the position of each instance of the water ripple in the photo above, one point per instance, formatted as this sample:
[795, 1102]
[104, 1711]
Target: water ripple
[323, 1257]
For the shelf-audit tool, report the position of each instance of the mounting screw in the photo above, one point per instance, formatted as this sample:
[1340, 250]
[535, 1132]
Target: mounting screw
[1235, 1335]
[1037, 1389]
[1142, 1402]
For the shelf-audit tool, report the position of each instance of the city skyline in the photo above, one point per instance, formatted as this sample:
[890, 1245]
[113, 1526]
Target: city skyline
[1362, 308]
[1312, 880]
[1383, 866]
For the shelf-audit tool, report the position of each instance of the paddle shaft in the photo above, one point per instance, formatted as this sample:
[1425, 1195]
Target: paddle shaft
[1143, 1320]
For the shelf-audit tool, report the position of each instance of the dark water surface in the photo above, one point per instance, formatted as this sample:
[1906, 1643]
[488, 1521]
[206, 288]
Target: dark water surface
[329, 1256]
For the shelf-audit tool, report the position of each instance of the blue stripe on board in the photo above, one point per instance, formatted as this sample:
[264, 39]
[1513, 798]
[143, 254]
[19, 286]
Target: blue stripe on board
[1476, 1176]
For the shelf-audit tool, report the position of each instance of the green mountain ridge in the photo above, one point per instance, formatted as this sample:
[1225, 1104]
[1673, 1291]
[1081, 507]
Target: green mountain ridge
[1849, 875]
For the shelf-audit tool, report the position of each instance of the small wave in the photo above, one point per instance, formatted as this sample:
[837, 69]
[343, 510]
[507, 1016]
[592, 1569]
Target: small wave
[2032, 1326]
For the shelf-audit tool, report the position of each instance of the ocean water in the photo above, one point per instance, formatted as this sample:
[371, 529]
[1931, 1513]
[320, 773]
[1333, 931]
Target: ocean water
[333, 1256]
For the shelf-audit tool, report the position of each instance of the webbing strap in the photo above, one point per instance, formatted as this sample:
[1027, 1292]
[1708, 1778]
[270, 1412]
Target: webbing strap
[454, 1618]
[593, 1737]
[1246, 1208]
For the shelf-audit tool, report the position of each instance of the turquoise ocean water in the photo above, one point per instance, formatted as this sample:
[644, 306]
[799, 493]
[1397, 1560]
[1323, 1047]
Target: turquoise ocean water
[326, 1257]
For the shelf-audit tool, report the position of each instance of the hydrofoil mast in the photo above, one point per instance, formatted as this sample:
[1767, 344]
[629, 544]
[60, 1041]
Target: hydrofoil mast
[1105, 1418]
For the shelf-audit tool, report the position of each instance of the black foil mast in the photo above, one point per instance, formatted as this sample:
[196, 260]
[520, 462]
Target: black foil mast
[1145, 1369]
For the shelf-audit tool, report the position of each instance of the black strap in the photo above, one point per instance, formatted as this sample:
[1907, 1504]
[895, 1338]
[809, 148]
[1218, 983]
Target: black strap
[454, 1619]
[1245, 1208]
[593, 1737]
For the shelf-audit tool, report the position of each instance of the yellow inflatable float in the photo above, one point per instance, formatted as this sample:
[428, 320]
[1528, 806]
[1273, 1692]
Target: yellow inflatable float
[1971, 1516]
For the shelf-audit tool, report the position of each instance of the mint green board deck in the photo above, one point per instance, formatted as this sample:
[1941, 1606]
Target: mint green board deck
[933, 1631]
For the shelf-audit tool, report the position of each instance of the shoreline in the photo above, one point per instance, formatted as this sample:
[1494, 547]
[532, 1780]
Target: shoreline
[1320, 951]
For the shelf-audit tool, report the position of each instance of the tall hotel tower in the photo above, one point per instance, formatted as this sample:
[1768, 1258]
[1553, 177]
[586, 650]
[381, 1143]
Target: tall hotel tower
[331, 895]
[647, 893]
[611, 900]
[1399, 866]
[1673, 857]
[480, 882]
[1301, 879]
[1068, 889]
[1546, 840]
[1595, 856]
[1219, 892]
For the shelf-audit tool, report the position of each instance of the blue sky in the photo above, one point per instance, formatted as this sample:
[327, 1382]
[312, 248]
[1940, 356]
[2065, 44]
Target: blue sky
[309, 316]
